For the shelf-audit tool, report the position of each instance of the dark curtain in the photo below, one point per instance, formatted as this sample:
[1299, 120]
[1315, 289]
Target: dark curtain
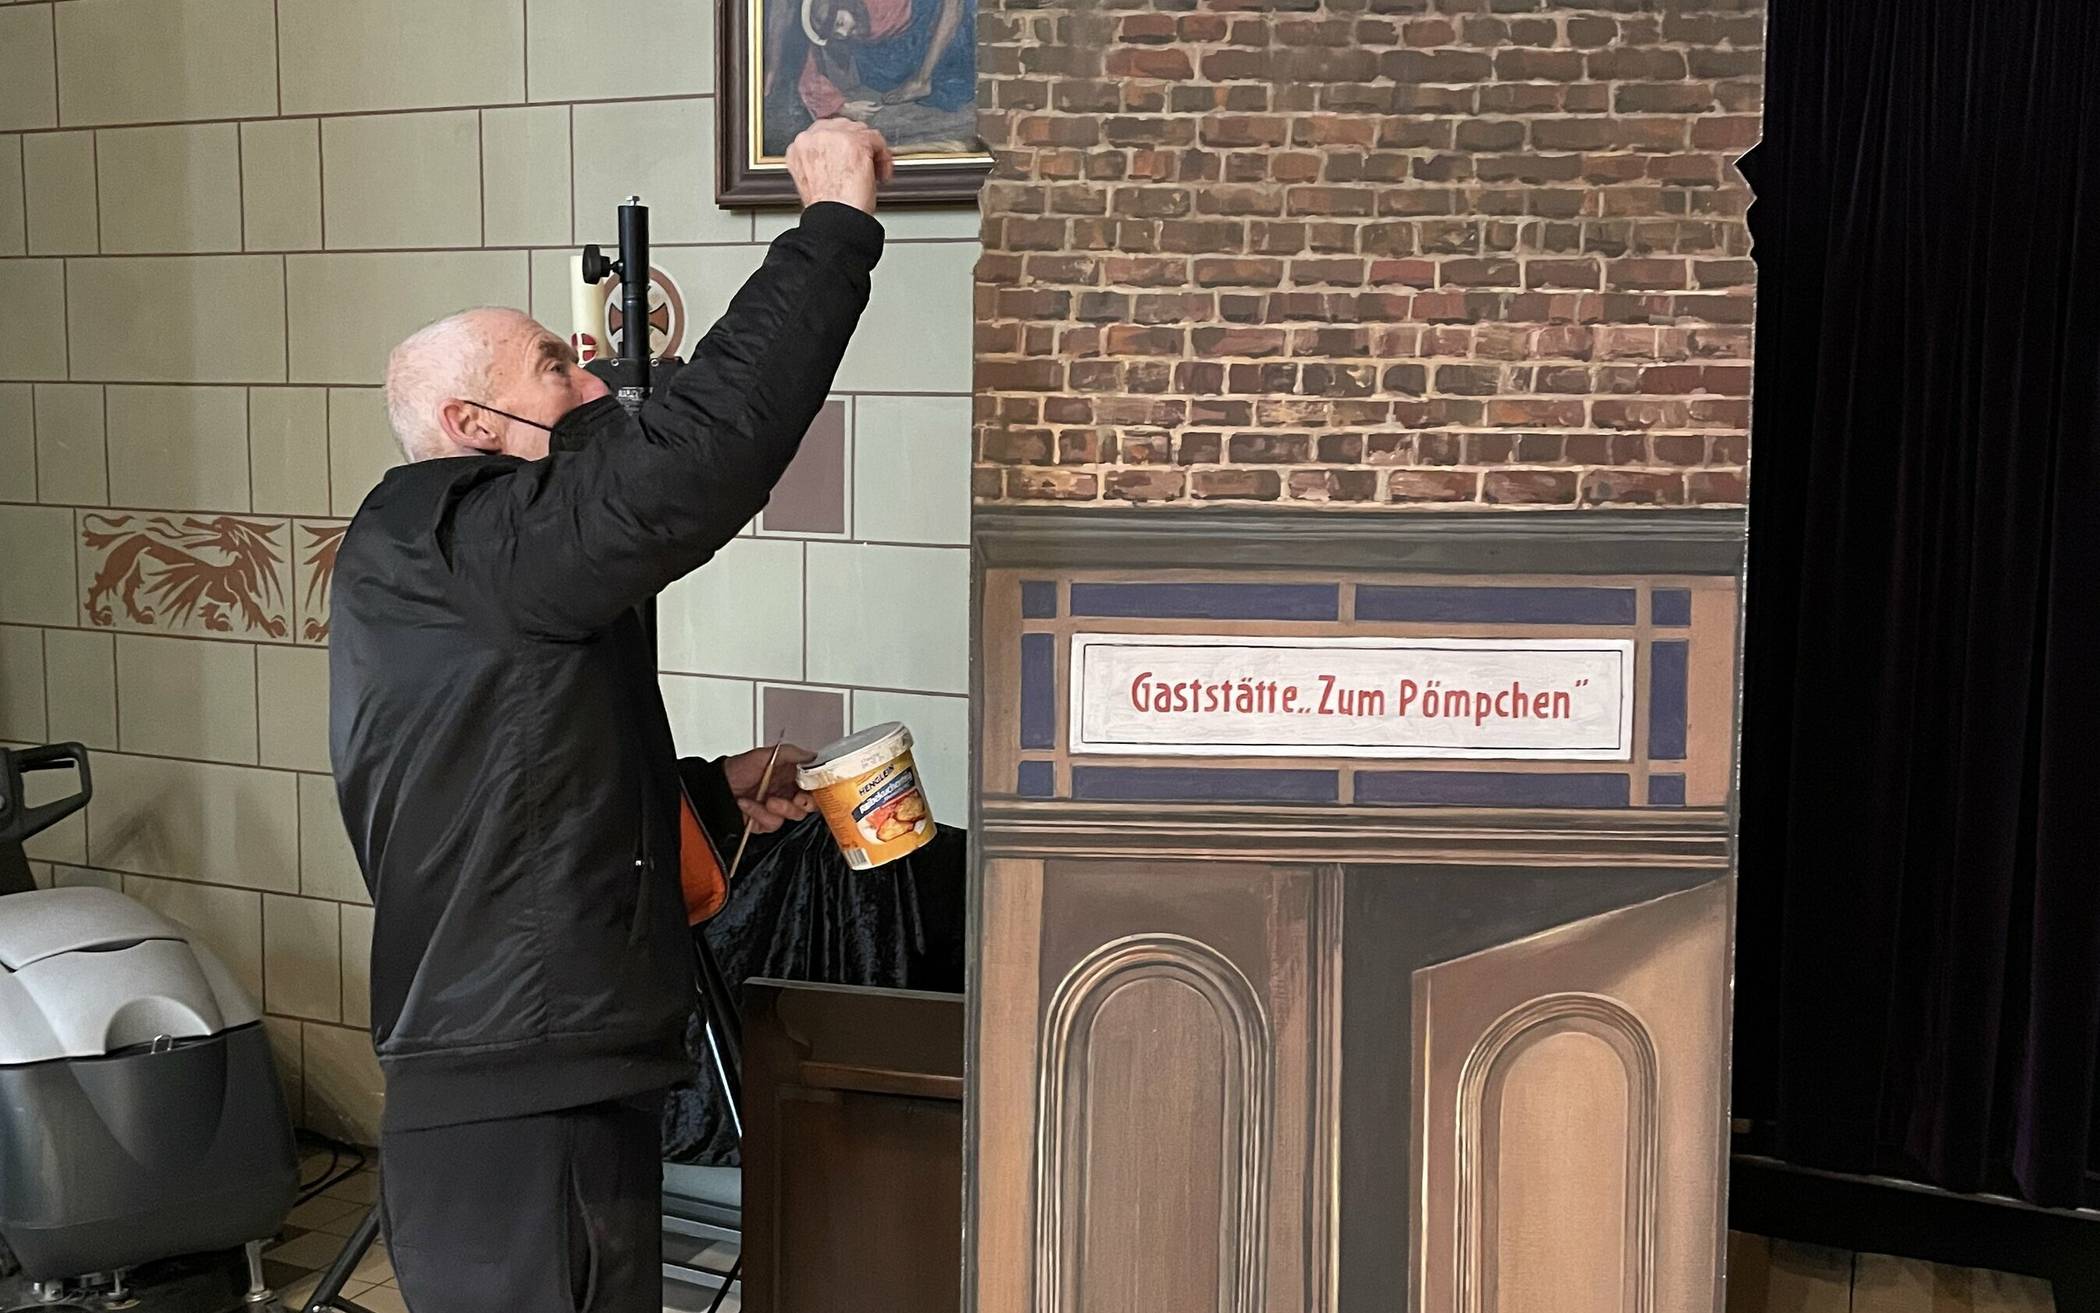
[1919, 959]
[798, 912]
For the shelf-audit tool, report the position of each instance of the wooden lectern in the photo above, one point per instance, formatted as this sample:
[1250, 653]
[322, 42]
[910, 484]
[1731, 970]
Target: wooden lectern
[853, 1142]
[1352, 913]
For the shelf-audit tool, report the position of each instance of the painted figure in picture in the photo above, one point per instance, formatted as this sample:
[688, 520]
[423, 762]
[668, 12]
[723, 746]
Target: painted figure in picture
[906, 67]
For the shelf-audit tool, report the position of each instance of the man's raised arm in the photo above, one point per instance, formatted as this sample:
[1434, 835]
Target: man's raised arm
[625, 505]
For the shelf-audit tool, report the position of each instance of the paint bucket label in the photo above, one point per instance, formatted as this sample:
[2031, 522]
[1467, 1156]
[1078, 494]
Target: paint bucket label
[868, 788]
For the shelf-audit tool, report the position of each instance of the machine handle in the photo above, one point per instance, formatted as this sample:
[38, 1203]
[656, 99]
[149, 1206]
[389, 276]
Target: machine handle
[18, 820]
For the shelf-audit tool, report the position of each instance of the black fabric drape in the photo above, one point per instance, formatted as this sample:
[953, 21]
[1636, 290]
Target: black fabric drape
[1919, 957]
[798, 912]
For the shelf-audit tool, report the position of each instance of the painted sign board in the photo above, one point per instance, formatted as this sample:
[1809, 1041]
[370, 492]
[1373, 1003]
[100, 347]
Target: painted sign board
[1567, 699]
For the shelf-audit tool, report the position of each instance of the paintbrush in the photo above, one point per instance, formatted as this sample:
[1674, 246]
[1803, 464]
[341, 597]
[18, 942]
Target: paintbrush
[765, 781]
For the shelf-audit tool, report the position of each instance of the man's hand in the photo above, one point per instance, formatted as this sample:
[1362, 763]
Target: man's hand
[839, 160]
[781, 800]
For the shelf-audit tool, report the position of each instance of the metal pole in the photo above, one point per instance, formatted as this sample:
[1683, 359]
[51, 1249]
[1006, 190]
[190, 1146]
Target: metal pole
[328, 1295]
[633, 363]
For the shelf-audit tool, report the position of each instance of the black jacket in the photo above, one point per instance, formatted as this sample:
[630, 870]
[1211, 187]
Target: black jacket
[501, 753]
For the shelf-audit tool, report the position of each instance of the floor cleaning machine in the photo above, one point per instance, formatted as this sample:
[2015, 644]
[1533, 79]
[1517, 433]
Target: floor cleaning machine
[146, 1152]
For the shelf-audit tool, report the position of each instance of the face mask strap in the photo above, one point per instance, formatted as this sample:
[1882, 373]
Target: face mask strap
[507, 415]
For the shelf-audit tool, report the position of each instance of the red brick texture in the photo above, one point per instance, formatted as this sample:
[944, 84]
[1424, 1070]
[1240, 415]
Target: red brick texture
[1411, 253]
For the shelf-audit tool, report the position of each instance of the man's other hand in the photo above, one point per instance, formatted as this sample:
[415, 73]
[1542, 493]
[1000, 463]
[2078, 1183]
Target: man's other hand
[768, 803]
[839, 160]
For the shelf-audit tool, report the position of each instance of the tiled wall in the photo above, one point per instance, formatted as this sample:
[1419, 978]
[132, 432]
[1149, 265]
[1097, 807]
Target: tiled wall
[216, 216]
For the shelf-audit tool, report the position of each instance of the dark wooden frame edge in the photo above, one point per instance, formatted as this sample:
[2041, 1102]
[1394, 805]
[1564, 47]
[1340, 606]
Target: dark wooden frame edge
[740, 186]
[1697, 542]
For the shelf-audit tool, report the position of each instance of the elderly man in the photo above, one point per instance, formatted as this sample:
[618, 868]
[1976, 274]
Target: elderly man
[506, 769]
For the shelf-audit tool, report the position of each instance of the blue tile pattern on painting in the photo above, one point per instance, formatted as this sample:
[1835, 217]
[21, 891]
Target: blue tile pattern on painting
[1202, 784]
[1037, 779]
[1670, 608]
[1209, 601]
[1467, 788]
[1666, 790]
[1487, 605]
[1038, 600]
[1667, 672]
[1038, 691]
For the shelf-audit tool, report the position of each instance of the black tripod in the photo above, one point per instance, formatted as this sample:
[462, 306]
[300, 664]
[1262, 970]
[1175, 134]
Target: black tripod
[329, 1294]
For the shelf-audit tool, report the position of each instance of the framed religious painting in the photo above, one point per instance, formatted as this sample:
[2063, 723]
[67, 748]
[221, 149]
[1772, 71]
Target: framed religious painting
[907, 68]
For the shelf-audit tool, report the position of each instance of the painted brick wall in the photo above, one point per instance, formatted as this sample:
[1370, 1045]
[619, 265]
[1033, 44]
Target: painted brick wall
[216, 216]
[1418, 253]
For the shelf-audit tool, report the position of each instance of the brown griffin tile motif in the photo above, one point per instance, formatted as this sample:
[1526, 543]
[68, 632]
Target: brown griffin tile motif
[317, 570]
[165, 572]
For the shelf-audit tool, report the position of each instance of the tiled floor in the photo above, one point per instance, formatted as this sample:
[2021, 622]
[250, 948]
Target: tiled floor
[716, 1256]
[317, 1231]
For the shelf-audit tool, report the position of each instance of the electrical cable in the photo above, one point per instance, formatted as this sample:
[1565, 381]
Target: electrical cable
[330, 1177]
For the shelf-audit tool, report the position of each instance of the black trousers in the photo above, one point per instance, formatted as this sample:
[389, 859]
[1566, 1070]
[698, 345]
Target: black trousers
[556, 1213]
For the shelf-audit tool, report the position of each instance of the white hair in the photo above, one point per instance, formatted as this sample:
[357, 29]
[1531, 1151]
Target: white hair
[437, 363]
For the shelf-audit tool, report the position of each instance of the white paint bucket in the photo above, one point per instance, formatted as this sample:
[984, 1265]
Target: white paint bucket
[869, 790]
